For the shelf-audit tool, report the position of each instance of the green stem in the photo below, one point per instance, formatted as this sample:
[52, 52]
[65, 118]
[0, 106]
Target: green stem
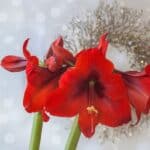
[74, 136]
[36, 132]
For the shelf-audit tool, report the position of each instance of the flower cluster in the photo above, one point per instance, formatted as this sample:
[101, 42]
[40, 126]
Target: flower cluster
[86, 85]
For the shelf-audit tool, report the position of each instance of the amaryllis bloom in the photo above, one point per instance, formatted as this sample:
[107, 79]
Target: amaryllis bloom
[138, 86]
[92, 90]
[41, 80]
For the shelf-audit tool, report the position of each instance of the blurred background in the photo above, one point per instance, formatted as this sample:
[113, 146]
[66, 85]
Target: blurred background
[42, 21]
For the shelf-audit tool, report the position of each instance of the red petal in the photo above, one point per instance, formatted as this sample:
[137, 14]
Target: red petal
[38, 76]
[65, 105]
[25, 50]
[139, 95]
[41, 82]
[58, 42]
[113, 113]
[92, 59]
[67, 100]
[103, 44]
[114, 87]
[62, 55]
[113, 106]
[13, 63]
[138, 101]
[36, 97]
[87, 123]
[133, 73]
[138, 85]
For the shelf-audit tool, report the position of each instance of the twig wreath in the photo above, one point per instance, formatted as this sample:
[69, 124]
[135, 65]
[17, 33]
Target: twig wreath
[127, 27]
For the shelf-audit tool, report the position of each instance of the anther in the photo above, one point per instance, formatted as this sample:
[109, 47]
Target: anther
[91, 109]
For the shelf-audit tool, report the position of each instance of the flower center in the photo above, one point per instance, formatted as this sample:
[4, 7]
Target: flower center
[91, 83]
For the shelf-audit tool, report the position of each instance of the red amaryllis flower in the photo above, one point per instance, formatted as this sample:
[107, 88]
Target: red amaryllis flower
[41, 80]
[92, 90]
[138, 86]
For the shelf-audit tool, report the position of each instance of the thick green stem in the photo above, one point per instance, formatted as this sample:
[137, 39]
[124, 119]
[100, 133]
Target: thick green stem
[74, 136]
[36, 132]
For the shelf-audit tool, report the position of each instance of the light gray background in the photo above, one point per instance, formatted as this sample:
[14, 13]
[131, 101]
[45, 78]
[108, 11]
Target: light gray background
[43, 21]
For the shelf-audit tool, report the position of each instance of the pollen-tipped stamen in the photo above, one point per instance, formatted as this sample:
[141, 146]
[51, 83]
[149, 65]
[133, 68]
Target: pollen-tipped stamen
[91, 109]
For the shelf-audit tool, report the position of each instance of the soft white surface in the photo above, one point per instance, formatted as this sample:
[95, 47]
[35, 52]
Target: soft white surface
[42, 21]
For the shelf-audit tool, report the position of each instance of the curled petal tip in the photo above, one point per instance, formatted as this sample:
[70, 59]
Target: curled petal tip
[27, 39]
[26, 43]
[59, 41]
[25, 50]
[60, 38]
[103, 43]
[105, 35]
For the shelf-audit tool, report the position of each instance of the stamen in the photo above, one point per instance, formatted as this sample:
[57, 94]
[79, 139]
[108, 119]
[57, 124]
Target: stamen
[91, 109]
